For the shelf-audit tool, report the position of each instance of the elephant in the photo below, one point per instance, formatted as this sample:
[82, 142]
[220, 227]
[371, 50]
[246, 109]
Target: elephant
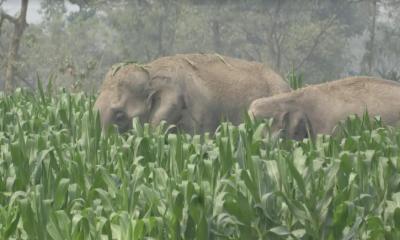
[317, 109]
[193, 92]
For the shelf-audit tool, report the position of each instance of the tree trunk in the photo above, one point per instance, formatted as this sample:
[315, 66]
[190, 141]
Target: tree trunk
[216, 36]
[216, 27]
[160, 36]
[19, 27]
[1, 22]
[278, 54]
[371, 57]
[274, 45]
[161, 22]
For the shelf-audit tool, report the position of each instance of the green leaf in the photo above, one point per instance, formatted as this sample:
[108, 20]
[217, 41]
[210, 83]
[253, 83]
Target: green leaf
[202, 229]
[281, 231]
[138, 229]
[297, 176]
[396, 217]
[12, 227]
[61, 192]
[251, 185]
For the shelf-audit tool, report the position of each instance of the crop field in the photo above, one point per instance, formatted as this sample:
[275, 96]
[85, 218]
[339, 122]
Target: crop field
[61, 178]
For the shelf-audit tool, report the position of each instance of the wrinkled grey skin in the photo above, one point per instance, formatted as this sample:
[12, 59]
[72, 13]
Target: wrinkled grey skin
[317, 109]
[195, 92]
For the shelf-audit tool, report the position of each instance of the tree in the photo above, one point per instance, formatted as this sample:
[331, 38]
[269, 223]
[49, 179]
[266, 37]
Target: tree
[309, 36]
[369, 56]
[388, 42]
[381, 45]
[19, 27]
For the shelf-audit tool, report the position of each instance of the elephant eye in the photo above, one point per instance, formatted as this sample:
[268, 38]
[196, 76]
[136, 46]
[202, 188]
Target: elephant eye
[119, 116]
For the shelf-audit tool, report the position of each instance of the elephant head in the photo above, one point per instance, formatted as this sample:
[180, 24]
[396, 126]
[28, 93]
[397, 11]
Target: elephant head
[289, 120]
[132, 91]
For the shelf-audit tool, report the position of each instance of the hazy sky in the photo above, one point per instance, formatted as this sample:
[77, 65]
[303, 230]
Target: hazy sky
[12, 7]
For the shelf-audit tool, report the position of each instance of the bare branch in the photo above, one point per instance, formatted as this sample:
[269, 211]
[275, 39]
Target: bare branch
[317, 40]
[29, 84]
[8, 17]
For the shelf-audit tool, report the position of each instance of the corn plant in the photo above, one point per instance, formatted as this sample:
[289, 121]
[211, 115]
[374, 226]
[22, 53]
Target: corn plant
[61, 177]
[295, 80]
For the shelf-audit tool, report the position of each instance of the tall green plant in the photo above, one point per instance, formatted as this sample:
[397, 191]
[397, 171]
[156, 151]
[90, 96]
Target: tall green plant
[295, 80]
[61, 177]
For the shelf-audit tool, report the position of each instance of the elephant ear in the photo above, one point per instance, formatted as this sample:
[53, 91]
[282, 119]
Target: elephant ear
[166, 100]
[165, 103]
[157, 83]
[153, 100]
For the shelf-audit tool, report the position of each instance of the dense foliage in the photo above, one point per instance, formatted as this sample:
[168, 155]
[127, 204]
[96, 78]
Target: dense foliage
[61, 178]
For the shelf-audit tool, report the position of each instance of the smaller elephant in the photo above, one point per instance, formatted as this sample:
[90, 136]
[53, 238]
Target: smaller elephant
[317, 109]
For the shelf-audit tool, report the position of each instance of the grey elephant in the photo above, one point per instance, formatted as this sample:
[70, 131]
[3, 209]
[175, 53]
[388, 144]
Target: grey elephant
[318, 108]
[194, 92]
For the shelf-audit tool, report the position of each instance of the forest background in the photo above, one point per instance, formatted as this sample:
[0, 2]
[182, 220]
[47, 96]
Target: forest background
[75, 42]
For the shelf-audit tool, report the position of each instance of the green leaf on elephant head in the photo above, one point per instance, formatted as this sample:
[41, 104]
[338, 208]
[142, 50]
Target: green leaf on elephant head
[116, 67]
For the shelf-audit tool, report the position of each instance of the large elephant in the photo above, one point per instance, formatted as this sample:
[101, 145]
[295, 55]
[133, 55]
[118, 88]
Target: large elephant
[319, 108]
[194, 92]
